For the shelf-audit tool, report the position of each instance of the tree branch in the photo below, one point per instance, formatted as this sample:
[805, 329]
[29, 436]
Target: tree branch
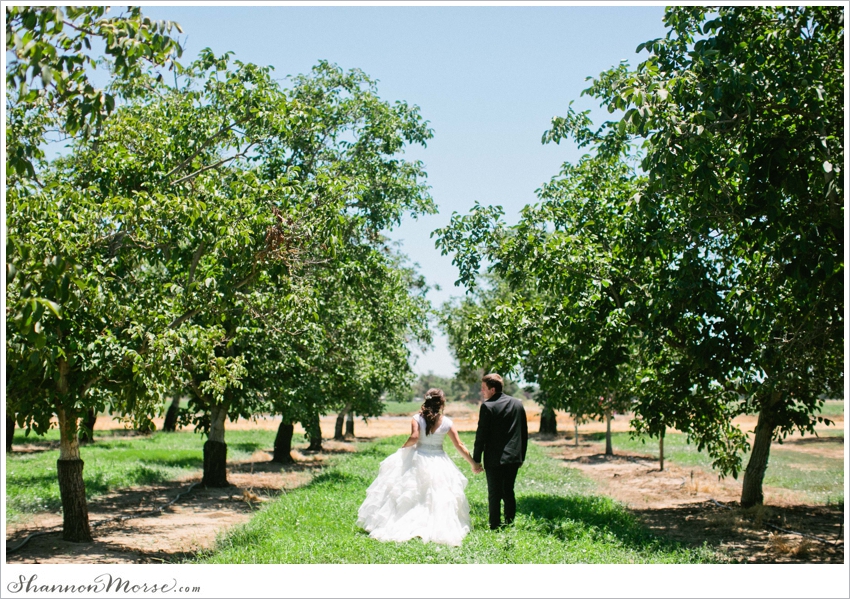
[205, 145]
[178, 321]
[212, 166]
[196, 257]
[89, 384]
[245, 281]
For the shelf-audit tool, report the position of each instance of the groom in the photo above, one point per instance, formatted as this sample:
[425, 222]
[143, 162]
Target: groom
[502, 436]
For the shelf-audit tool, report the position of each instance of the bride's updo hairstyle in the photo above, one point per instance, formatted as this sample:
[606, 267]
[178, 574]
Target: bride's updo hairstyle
[435, 401]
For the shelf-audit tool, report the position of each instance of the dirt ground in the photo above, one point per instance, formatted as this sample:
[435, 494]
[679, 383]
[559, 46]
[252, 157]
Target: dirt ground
[687, 505]
[693, 506]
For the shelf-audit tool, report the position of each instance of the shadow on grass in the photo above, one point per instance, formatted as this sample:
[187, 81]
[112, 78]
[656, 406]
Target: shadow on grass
[30, 480]
[373, 449]
[175, 462]
[246, 446]
[335, 477]
[139, 442]
[569, 518]
[97, 484]
[346, 448]
[24, 445]
[601, 458]
[41, 482]
[815, 441]
[142, 474]
[100, 482]
[269, 466]
[120, 432]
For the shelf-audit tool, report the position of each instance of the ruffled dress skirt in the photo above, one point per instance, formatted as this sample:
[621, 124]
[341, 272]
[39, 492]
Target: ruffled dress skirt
[418, 492]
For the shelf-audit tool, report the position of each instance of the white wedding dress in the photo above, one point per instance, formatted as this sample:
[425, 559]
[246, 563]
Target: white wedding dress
[419, 492]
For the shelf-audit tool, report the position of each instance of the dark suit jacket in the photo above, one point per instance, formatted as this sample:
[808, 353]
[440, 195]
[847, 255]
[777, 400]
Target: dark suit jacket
[502, 433]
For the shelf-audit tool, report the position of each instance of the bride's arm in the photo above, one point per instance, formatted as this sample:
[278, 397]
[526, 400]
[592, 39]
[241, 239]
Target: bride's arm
[461, 448]
[413, 439]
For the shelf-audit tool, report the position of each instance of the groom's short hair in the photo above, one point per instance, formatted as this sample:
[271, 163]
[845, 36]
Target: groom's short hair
[494, 381]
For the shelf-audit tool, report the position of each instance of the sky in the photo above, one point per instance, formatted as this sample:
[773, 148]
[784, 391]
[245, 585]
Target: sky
[488, 79]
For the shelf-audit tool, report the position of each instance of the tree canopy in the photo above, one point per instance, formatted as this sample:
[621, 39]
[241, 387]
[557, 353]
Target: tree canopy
[707, 278]
[207, 237]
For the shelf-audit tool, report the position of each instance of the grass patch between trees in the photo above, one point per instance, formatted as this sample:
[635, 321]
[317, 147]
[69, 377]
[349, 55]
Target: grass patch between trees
[116, 460]
[401, 408]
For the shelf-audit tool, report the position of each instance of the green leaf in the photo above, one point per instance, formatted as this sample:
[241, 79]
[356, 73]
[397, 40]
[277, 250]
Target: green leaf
[55, 308]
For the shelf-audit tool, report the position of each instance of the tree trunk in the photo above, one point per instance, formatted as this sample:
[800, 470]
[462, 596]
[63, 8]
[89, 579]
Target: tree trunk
[340, 424]
[215, 451]
[69, 469]
[283, 443]
[349, 425]
[575, 422]
[548, 422]
[661, 452]
[87, 430]
[314, 433]
[10, 431]
[75, 511]
[754, 475]
[340, 421]
[170, 424]
[609, 450]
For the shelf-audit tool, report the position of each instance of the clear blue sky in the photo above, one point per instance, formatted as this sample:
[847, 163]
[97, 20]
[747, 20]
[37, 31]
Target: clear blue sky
[489, 80]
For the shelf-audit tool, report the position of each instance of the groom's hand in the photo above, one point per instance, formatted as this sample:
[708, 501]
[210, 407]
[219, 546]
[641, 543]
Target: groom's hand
[477, 468]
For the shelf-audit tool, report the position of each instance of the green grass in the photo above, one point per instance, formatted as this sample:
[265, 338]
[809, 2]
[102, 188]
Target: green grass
[400, 408]
[559, 521]
[820, 479]
[832, 408]
[114, 461]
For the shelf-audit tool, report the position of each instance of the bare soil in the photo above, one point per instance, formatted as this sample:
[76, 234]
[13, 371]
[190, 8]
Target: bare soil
[687, 505]
[692, 506]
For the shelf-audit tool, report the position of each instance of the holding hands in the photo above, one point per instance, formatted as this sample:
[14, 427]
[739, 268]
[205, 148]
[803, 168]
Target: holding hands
[476, 466]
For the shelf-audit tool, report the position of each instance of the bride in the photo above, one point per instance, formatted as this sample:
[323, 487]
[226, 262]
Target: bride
[419, 492]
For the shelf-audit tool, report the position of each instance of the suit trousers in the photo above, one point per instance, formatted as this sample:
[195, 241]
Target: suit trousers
[500, 487]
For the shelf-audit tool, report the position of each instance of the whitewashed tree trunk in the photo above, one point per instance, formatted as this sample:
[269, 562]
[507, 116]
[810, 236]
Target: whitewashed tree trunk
[69, 468]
